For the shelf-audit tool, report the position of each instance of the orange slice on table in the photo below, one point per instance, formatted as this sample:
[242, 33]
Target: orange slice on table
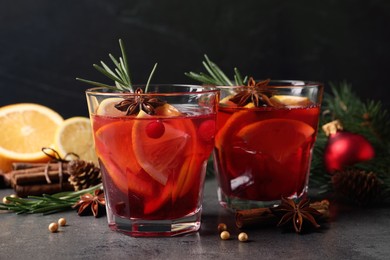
[74, 135]
[25, 129]
[278, 138]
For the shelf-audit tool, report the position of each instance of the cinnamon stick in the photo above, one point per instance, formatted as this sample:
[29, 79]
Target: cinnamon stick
[26, 165]
[255, 217]
[5, 180]
[37, 177]
[33, 173]
[39, 189]
[35, 166]
[264, 216]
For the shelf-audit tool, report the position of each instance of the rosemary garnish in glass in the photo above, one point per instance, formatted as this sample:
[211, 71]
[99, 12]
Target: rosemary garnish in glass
[120, 74]
[216, 76]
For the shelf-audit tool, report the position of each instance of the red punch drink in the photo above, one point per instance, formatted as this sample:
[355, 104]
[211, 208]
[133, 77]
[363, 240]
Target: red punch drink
[264, 142]
[153, 164]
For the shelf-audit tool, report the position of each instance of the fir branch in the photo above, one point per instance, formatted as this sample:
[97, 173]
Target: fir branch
[319, 179]
[367, 118]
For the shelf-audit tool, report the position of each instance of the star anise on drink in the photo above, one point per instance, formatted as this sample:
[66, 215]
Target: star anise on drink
[91, 203]
[133, 105]
[296, 215]
[256, 93]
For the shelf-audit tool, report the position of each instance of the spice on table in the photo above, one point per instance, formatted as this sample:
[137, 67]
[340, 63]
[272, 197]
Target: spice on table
[62, 222]
[53, 227]
[255, 217]
[280, 215]
[222, 227]
[89, 203]
[34, 179]
[225, 235]
[6, 201]
[243, 237]
[296, 214]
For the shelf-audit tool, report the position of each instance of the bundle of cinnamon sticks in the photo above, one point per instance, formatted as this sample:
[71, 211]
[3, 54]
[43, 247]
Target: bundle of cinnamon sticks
[38, 178]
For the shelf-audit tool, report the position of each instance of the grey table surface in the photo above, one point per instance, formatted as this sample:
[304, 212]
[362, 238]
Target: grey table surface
[354, 233]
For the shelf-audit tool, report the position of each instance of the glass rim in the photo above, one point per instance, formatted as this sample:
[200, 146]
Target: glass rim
[203, 90]
[282, 84]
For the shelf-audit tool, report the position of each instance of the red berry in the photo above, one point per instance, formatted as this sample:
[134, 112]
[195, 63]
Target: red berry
[206, 130]
[155, 129]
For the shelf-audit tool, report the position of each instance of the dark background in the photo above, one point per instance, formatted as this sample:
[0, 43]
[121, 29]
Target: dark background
[46, 44]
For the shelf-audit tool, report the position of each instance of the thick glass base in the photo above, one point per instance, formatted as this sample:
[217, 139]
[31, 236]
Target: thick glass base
[234, 203]
[156, 228]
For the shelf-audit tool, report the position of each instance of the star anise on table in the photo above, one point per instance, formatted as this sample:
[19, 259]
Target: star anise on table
[133, 105]
[256, 93]
[296, 215]
[91, 203]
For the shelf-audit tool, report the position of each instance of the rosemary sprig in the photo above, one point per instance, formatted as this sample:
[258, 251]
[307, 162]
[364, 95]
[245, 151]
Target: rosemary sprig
[216, 76]
[46, 204]
[120, 74]
[150, 77]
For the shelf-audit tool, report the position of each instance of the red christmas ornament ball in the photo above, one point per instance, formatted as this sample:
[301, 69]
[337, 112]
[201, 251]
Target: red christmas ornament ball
[345, 149]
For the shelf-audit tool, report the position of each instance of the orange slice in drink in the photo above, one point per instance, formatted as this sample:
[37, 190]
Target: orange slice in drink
[114, 149]
[107, 107]
[278, 138]
[225, 102]
[235, 122]
[291, 100]
[167, 156]
[161, 156]
[167, 110]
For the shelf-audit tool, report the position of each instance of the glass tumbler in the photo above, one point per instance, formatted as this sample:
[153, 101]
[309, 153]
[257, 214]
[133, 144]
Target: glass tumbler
[263, 151]
[153, 150]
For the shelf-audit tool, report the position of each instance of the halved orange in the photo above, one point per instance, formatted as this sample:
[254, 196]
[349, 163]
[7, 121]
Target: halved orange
[25, 129]
[278, 138]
